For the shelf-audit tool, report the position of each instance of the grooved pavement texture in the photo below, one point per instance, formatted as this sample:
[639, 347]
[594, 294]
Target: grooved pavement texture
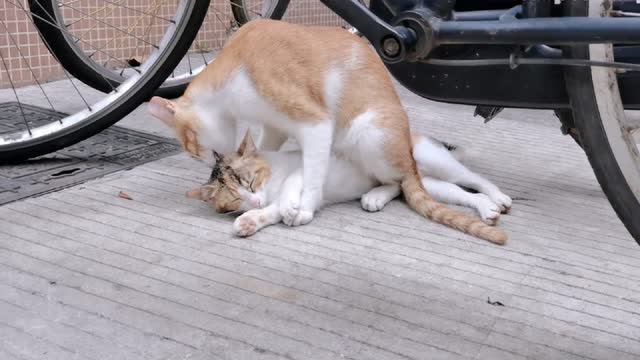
[87, 275]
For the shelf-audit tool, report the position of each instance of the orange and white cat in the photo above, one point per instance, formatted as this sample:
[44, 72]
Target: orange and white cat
[327, 89]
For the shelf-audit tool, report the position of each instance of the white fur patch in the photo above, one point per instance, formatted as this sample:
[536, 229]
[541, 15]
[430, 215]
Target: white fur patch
[246, 104]
[363, 143]
[333, 85]
[217, 132]
[238, 101]
[334, 80]
[432, 158]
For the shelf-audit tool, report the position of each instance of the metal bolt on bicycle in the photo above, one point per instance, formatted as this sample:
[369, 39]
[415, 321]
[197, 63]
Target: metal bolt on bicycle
[580, 58]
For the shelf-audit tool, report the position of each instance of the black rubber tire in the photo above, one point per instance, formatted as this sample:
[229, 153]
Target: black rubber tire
[237, 8]
[115, 111]
[593, 137]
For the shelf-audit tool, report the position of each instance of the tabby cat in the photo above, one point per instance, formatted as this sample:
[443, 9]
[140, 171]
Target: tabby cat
[263, 183]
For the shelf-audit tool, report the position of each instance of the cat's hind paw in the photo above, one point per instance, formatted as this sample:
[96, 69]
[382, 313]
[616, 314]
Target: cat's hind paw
[488, 210]
[378, 197]
[245, 226]
[372, 203]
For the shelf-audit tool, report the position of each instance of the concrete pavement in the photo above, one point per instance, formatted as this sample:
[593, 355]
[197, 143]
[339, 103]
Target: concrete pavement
[85, 274]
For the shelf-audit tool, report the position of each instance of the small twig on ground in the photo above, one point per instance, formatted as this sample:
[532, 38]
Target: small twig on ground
[124, 195]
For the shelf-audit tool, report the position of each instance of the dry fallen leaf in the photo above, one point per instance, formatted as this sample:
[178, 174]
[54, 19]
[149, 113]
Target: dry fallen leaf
[133, 62]
[124, 195]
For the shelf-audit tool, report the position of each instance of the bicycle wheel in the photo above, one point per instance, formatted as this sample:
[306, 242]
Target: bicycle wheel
[608, 135]
[247, 10]
[92, 69]
[90, 111]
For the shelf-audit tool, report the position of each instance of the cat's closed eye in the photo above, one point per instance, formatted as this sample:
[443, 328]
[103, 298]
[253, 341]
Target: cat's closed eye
[247, 183]
[251, 185]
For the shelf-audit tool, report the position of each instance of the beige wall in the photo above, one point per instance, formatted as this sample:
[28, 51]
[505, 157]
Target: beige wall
[32, 58]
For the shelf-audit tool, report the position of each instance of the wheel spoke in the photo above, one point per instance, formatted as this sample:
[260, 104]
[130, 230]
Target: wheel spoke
[111, 26]
[18, 5]
[140, 11]
[113, 39]
[217, 13]
[77, 39]
[123, 37]
[245, 7]
[147, 31]
[195, 43]
[26, 62]
[189, 61]
[15, 93]
[112, 9]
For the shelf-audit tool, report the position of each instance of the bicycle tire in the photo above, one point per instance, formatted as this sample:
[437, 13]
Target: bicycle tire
[78, 64]
[126, 102]
[588, 88]
[239, 10]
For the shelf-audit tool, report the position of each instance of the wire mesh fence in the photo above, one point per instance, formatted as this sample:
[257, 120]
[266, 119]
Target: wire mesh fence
[26, 57]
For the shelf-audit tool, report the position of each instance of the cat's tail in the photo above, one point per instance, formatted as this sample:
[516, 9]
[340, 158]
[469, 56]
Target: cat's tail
[419, 200]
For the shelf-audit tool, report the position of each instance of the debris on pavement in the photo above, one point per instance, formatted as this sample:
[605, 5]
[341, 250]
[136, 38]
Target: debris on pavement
[124, 195]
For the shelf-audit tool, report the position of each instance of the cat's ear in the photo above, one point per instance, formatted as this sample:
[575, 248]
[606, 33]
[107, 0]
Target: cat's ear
[195, 194]
[247, 146]
[164, 110]
[219, 157]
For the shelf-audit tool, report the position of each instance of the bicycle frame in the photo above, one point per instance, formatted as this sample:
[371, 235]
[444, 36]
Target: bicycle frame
[404, 32]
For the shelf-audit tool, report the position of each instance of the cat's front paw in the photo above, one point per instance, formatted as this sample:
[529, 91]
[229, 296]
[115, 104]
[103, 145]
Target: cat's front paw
[289, 209]
[296, 210]
[488, 210]
[296, 216]
[245, 225]
[502, 200]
